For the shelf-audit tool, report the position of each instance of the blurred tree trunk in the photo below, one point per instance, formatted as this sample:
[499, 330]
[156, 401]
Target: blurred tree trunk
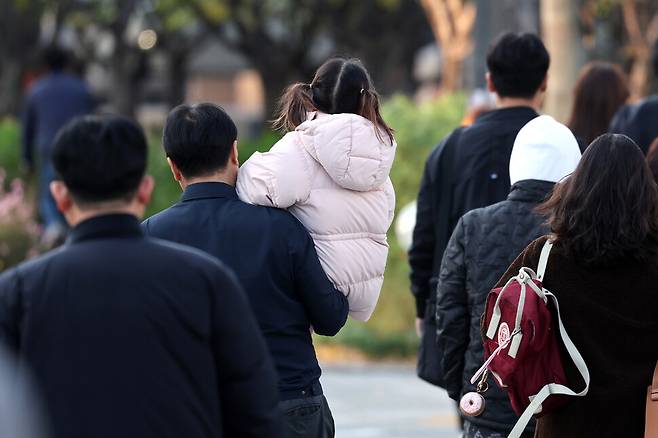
[19, 41]
[642, 30]
[563, 40]
[452, 22]
[11, 89]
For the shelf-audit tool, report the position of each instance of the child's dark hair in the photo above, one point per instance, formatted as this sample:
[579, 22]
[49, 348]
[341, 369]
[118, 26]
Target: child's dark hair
[340, 86]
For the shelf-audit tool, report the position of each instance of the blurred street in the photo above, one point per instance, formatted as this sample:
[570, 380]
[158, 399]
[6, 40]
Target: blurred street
[386, 401]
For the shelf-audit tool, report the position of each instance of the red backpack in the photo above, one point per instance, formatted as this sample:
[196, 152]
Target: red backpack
[521, 346]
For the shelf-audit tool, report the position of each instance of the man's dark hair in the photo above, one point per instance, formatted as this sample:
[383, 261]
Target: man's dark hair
[100, 158]
[518, 64]
[198, 138]
[56, 58]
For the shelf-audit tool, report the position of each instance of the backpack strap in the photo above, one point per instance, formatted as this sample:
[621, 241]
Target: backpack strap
[543, 259]
[554, 388]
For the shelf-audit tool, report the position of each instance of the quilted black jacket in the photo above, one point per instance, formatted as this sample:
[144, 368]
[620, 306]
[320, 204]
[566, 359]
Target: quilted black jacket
[485, 242]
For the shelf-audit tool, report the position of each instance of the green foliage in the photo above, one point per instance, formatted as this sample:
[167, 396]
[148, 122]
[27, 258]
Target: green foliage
[10, 149]
[18, 229]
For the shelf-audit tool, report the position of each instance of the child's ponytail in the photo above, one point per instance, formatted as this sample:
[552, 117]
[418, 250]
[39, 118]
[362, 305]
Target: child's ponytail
[293, 106]
[370, 111]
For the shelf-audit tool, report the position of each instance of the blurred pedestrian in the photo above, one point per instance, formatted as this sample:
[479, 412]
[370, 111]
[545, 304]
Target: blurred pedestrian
[52, 101]
[638, 121]
[336, 157]
[484, 243]
[21, 414]
[652, 159]
[600, 91]
[269, 250]
[604, 270]
[480, 102]
[470, 169]
[129, 336]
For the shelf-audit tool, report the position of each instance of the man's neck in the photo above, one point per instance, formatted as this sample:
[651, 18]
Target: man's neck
[214, 178]
[510, 102]
[80, 215]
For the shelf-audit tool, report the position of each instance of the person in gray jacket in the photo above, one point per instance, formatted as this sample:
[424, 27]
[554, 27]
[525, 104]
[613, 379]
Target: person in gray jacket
[483, 245]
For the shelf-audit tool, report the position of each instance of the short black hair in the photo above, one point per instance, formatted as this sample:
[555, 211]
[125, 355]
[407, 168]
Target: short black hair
[56, 58]
[100, 158]
[518, 64]
[198, 138]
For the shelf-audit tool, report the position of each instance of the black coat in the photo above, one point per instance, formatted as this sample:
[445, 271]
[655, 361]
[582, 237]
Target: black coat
[483, 245]
[274, 258]
[129, 336]
[638, 121]
[480, 177]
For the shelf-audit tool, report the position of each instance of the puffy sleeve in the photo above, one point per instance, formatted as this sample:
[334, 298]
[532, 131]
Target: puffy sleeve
[279, 178]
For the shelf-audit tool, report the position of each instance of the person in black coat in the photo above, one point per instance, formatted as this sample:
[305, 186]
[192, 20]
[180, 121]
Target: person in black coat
[484, 243]
[638, 120]
[129, 336]
[469, 169]
[270, 251]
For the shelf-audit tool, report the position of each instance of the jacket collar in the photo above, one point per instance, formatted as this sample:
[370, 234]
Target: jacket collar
[106, 226]
[209, 190]
[504, 114]
[530, 190]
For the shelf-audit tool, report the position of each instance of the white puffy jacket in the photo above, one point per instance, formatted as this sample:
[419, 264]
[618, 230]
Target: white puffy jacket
[332, 173]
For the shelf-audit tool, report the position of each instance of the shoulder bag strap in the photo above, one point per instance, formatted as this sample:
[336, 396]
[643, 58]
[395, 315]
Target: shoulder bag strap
[543, 259]
[651, 408]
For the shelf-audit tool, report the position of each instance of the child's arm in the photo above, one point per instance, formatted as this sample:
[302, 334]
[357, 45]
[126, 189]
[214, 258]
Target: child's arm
[279, 178]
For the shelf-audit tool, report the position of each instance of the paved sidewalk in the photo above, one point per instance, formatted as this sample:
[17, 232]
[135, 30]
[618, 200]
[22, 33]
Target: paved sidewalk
[386, 401]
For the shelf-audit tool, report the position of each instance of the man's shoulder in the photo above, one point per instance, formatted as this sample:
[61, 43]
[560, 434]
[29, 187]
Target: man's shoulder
[646, 107]
[239, 216]
[176, 252]
[36, 264]
[499, 214]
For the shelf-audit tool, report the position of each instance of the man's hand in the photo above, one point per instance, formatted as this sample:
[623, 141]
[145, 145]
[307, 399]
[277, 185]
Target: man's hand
[419, 327]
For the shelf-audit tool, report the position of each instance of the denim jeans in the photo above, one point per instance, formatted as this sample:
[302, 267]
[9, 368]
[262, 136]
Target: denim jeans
[308, 417]
[50, 216]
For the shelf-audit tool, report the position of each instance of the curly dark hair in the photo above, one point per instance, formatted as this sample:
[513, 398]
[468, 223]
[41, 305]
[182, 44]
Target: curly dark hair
[606, 211]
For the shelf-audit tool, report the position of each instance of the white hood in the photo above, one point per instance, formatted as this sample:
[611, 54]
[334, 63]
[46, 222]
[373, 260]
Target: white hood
[545, 150]
[347, 147]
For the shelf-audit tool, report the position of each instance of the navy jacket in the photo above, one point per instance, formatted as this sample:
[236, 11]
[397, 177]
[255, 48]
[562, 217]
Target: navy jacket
[129, 336]
[51, 103]
[274, 257]
[481, 177]
[638, 121]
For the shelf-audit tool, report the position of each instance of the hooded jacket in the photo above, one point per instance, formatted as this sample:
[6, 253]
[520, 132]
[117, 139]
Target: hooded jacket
[484, 243]
[332, 173]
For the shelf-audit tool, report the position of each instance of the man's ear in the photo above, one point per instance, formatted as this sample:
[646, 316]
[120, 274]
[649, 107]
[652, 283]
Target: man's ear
[145, 190]
[544, 84]
[490, 85]
[234, 157]
[178, 176]
[62, 196]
